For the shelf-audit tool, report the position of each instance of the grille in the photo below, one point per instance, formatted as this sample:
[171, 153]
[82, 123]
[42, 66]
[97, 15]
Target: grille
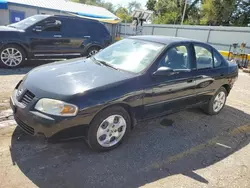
[27, 98]
[25, 127]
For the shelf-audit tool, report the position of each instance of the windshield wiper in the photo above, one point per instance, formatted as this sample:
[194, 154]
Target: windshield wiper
[95, 61]
[11, 26]
[104, 63]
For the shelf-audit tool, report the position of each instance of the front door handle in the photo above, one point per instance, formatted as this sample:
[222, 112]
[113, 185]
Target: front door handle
[57, 36]
[190, 80]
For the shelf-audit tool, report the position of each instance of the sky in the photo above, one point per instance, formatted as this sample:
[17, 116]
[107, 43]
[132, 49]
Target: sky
[125, 2]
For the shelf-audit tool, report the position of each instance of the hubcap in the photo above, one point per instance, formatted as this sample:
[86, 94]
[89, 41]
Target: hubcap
[219, 101]
[93, 52]
[11, 57]
[111, 130]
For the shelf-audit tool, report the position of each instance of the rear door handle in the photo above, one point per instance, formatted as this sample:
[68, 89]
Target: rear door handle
[200, 77]
[57, 36]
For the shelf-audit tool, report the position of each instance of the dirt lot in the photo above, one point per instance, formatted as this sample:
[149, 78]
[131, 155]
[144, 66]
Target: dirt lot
[187, 149]
[9, 78]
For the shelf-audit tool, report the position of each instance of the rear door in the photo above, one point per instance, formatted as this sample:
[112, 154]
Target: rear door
[209, 73]
[173, 92]
[74, 36]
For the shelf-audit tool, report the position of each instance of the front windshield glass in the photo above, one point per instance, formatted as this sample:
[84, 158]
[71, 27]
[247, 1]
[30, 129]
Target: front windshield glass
[130, 54]
[24, 24]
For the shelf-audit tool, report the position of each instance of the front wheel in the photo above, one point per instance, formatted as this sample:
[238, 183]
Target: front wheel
[11, 56]
[217, 102]
[109, 128]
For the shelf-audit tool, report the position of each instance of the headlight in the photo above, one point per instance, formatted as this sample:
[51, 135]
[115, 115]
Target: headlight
[56, 107]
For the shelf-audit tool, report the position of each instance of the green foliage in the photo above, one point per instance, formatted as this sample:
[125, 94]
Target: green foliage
[216, 12]
[166, 18]
[107, 5]
[133, 5]
[205, 12]
[241, 17]
[170, 12]
[151, 5]
[123, 14]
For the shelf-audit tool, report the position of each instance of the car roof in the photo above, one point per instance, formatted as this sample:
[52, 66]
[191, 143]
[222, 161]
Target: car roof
[75, 17]
[163, 39]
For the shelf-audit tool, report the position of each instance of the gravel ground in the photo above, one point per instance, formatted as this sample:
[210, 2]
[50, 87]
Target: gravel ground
[10, 77]
[186, 149]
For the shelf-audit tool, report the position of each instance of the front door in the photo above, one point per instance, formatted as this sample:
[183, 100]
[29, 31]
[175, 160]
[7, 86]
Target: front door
[168, 93]
[46, 37]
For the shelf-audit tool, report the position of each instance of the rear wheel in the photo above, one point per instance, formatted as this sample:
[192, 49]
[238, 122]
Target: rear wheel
[217, 102]
[93, 50]
[11, 56]
[109, 128]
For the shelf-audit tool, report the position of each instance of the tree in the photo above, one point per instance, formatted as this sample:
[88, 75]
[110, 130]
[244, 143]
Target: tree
[166, 18]
[216, 12]
[108, 6]
[192, 6]
[123, 14]
[151, 5]
[241, 16]
[170, 11]
[88, 2]
[133, 5]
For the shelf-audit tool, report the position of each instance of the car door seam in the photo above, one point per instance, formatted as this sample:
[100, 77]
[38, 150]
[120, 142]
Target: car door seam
[160, 102]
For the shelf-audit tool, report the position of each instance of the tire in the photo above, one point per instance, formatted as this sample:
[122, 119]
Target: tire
[210, 108]
[105, 128]
[92, 51]
[17, 56]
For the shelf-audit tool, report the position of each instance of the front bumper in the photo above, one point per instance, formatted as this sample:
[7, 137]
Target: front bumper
[37, 123]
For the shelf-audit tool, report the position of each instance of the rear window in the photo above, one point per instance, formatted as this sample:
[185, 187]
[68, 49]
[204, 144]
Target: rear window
[217, 59]
[105, 30]
[75, 26]
[97, 28]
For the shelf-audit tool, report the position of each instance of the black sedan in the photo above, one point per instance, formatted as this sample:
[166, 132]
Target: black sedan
[135, 79]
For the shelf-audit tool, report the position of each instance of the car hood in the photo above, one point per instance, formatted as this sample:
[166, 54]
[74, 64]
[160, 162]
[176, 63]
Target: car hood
[8, 29]
[71, 77]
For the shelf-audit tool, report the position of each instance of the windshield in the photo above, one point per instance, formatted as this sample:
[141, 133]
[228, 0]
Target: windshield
[24, 24]
[130, 54]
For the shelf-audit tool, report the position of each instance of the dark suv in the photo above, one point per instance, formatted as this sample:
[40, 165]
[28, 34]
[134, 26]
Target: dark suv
[46, 36]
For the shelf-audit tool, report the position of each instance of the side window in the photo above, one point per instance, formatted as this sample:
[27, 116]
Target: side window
[217, 59]
[204, 57]
[80, 28]
[176, 58]
[50, 24]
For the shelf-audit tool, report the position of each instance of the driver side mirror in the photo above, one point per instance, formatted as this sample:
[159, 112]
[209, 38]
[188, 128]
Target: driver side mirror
[163, 71]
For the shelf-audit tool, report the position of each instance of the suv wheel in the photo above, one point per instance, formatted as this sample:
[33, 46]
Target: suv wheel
[109, 128]
[93, 50]
[11, 56]
[217, 102]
